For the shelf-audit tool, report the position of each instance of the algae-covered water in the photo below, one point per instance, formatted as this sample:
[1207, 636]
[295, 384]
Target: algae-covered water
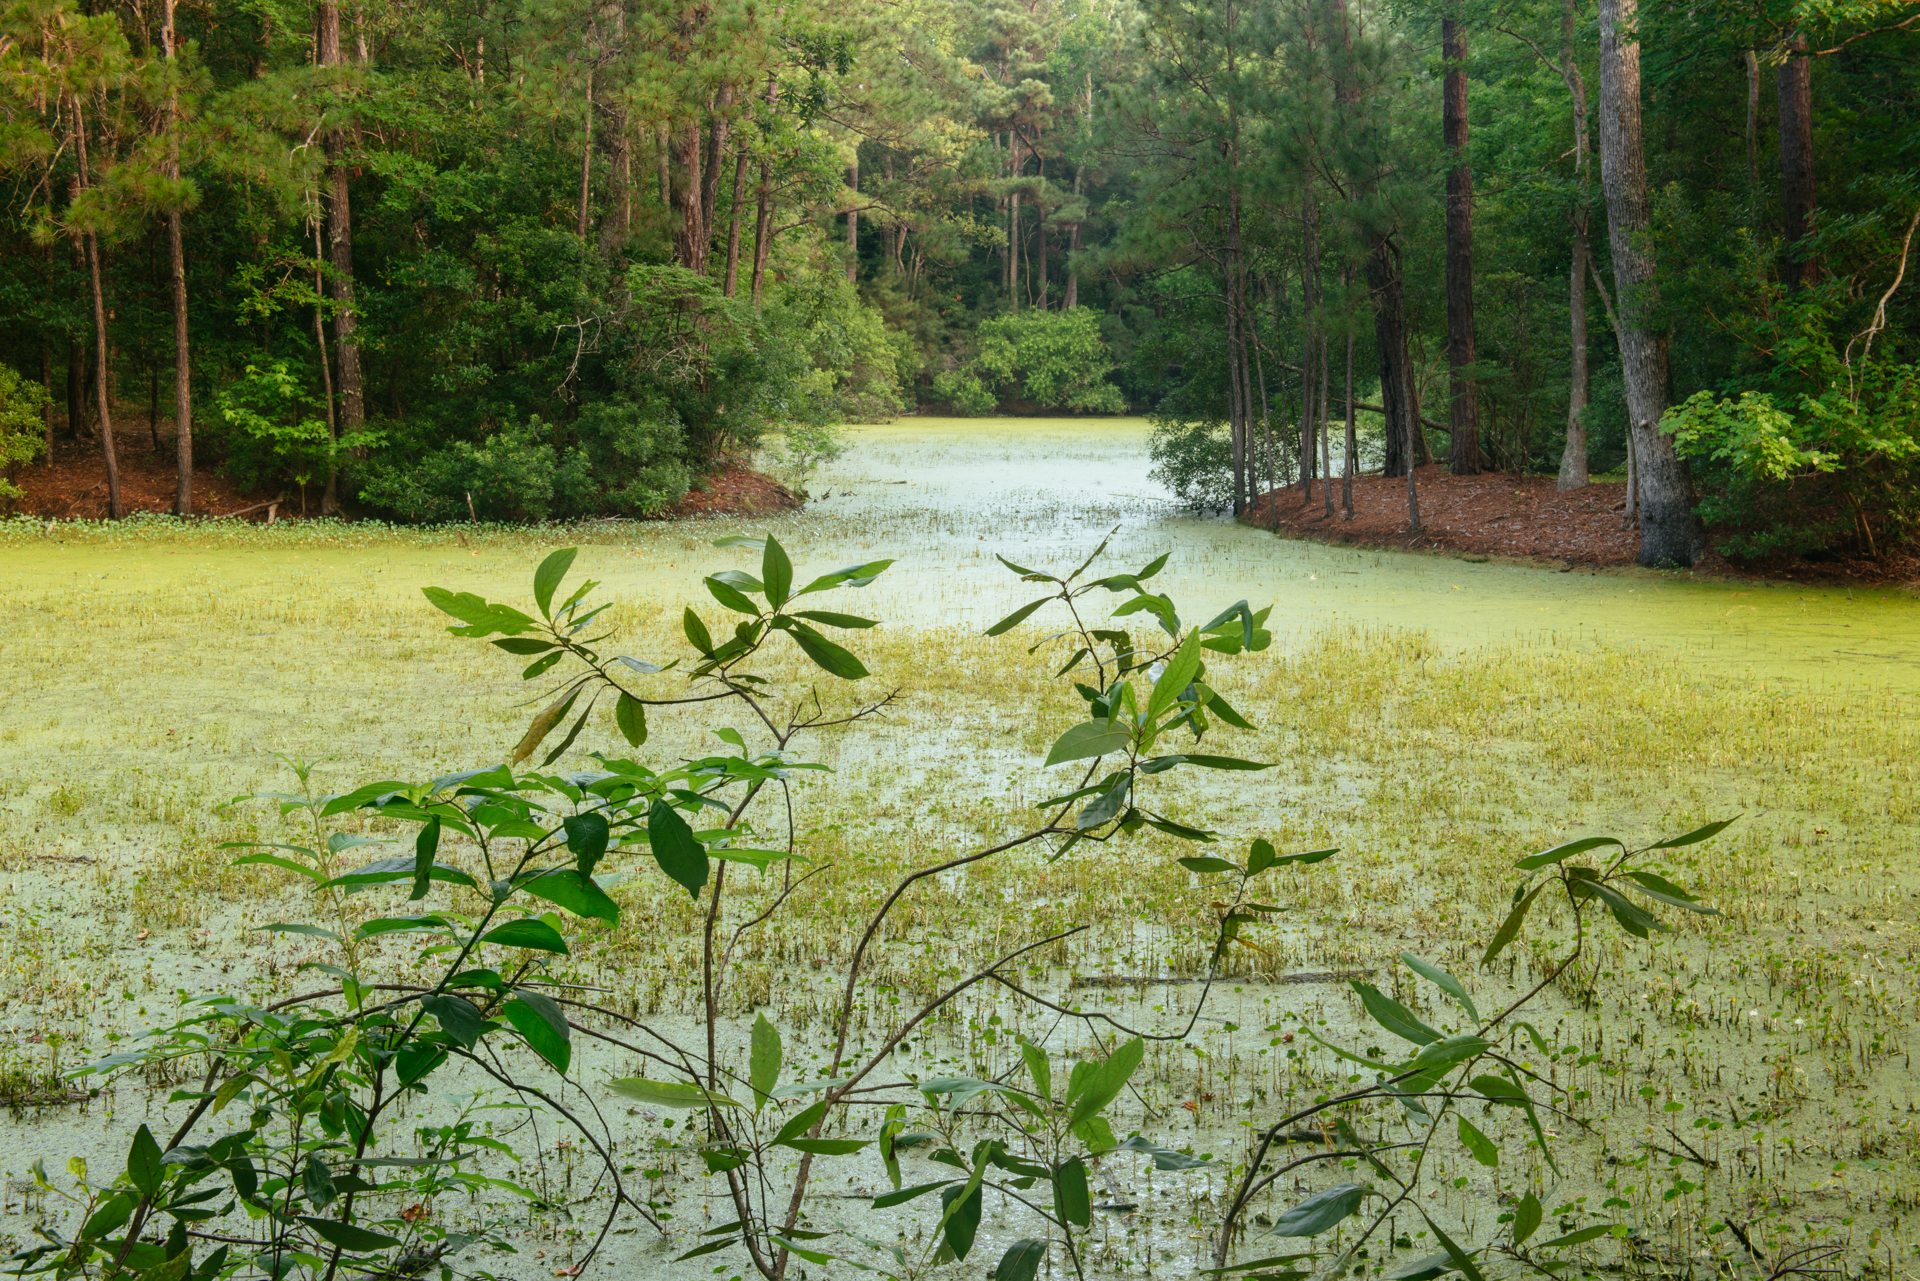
[1434, 718]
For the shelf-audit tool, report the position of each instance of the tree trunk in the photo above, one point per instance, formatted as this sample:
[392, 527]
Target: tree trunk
[1753, 120]
[1013, 250]
[1353, 451]
[76, 390]
[46, 381]
[340, 247]
[1310, 298]
[1326, 443]
[1796, 162]
[1669, 534]
[586, 164]
[732, 284]
[761, 228]
[853, 225]
[662, 149]
[1573, 460]
[177, 273]
[690, 238]
[719, 129]
[330, 499]
[1396, 364]
[617, 224]
[1463, 414]
[100, 355]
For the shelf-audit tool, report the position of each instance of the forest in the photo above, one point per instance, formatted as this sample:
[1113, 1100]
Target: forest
[529, 260]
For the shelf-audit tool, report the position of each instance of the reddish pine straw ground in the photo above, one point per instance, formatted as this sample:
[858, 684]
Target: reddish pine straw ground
[1527, 517]
[76, 486]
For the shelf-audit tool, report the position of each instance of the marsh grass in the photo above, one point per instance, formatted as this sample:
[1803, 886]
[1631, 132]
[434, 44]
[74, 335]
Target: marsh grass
[1772, 1042]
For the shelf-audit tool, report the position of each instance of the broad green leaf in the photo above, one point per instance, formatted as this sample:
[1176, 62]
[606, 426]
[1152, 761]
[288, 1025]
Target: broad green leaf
[630, 718]
[851, 576]
[1254, 1265]
[1163, 1158]
[388, 871]
[681, 857]
[732, 597]
[348, 1236]
[480, 617]
[111, 1214]
[1633, 918]
[1479, 1144]
[961, 1219]
[668, 1094]
[1180, 671]
[144, 1167]
[316, 1181]
[278, 860]
[1214, 762]
[522, 645]
[1038, 1068]
[1499, 1089]
[1071, 1202]
[1424, 1268]
[776, 572]
[1260, 857]
[1105, 807]
[696, 631]
[853, 622]
[1462, 1259]
[1661, 890]
[539, 1019]
[1547, 858]
[826, 655]
[1442, 980]
[587, 836]
[398, 925]
[1320, 1211]
[1590, 1233]
[801, 1122]
[1510, 927]
[1240, 610]
[1203, 865]
[547, 578]
[425, 847]
[457, 1017]
[904, 1195]
[1526, 1215]
[1393, 1016]
[1089, 739]
[1219, 707]
[1102, 1085]
[1021, 1262]
[711, 1247]
[763, 1060]
[565, 887]
[827, 1147]
[1694, 837]
[1441, 1055]
[529, 932]
[1017, 617]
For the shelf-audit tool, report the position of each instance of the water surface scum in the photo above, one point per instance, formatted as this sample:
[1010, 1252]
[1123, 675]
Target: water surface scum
[1740, 1083]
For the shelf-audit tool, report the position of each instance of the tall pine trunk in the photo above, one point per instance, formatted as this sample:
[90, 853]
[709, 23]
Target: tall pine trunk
[340, 256]
[1669, 534]
[853, 224]
[732, 283]
[1463, 415]
[1573, 460]
[1795, 81]
[177, 264]
[1310, 298]
[100, 356]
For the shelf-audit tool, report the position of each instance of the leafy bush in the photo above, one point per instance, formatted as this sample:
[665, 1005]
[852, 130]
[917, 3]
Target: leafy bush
[1047, 359]
[319, 1083]
[1194, 459]
[278, 430]
[21, 405]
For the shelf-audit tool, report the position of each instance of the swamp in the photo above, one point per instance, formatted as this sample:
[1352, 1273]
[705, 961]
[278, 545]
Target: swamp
[1724, 1091]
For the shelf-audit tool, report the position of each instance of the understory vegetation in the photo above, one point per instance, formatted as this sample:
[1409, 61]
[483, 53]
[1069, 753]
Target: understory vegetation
[976, 991]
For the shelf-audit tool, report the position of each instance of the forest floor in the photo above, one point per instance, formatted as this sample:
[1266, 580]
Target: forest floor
[1528, 518]
[75, 487]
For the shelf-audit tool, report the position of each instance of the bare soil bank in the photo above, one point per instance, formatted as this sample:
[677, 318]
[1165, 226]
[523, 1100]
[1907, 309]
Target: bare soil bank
[1526, 517]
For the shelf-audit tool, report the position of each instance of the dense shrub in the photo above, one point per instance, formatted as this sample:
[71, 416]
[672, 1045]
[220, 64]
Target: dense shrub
[1044, 359]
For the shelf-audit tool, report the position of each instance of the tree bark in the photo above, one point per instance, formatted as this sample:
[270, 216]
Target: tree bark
[732, 284]
[1753, 120]
[340, 247]
[617, 223]
[1795, 82]
[46, 410]
[586, 164]
[1396, 364]
[1353, 452]
[1669, 533]
[177, 263]
[76, 389]
[100, 357]
[761, 228]
[853, 225]
[1463, 414]
[690, 238]
[1310, 298]
[1573, 459]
